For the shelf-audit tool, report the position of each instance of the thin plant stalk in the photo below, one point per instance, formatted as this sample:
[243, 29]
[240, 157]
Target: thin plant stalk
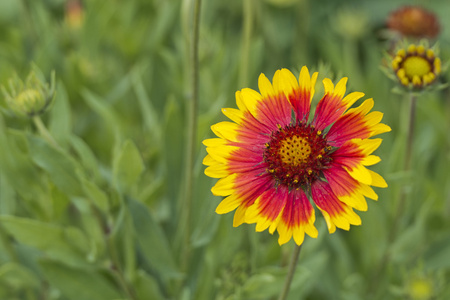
[191, 136]
[44, 132]
[403, 192]
[246, 41]
[410, 138]
[117, 270]
[290, 275]
[407, 163]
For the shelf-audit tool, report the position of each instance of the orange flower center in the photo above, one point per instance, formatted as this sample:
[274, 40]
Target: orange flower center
[294, 150]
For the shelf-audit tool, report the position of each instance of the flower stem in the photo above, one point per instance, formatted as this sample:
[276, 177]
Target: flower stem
[412, 118]
[191, 136]
[247, 34]
[44, 132]
[290, 274]
[403, 193]
[116, 268]
[407, 164]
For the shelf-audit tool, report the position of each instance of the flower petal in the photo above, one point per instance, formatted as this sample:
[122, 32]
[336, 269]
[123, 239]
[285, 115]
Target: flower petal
[284, 82]
[347, 189]
[331, 106]
[228, 204]
[297, 218]
[355, 124]
[300, 98]
[233, 114]
[209, 161]
[335, 212]
[224, 186]
[265, 87]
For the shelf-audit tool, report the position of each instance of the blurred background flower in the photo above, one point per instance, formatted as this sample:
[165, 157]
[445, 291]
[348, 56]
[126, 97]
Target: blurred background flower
[351, 23]
[74, 14]
[414, 21]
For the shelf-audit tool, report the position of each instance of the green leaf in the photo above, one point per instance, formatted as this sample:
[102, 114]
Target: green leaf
[76, 238]
[76, 284]
[409, 242]
[263, 285]
[148, 112]
[17, 276]
[127, 165]
[437, 255]
[57, 164]
[92, 225]
[129, 248]
[60, 124]
[55, 241]
[164, 18]
[86, 157]
[103, 109]
[7, 197]
[94, 193]
[173, 124]
[268, 281]
[59, 204]
[152, 241]
[18, 169]
[147, 287]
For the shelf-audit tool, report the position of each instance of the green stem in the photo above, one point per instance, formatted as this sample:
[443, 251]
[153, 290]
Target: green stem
[116, 269]
[406, 166]
[44, 132]
[191, 136]
[290, 274]
[400, 208]
[410, 138]
[246, 37]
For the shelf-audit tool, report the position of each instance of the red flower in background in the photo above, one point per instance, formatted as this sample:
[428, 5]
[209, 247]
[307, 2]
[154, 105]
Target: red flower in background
[414, 21]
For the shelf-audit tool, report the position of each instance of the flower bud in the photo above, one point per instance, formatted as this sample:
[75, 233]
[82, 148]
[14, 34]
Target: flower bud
[415, 67]
[420, 289]
[31, 98]
[351, 23]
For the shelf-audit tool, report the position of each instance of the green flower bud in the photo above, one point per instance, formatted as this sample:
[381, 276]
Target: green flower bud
[31, 98]
[415, 67]
[350, 23]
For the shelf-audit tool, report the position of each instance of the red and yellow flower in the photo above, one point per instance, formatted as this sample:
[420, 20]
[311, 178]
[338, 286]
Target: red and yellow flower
[273, 160]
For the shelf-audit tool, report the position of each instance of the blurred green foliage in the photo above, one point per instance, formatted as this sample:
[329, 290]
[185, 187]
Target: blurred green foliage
[97, 217]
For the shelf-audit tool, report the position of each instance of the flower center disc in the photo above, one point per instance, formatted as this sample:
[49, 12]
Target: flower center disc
[416, 65]
[296, 155]
[294, 150]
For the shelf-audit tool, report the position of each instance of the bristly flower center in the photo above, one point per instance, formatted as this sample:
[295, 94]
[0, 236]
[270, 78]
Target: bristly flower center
[296, 155]
[294, 150]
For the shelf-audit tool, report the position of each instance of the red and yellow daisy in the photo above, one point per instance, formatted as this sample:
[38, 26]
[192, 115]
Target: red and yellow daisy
[273, 160]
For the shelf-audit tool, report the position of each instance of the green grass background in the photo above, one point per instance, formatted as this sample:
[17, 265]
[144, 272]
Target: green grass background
[100, 217]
